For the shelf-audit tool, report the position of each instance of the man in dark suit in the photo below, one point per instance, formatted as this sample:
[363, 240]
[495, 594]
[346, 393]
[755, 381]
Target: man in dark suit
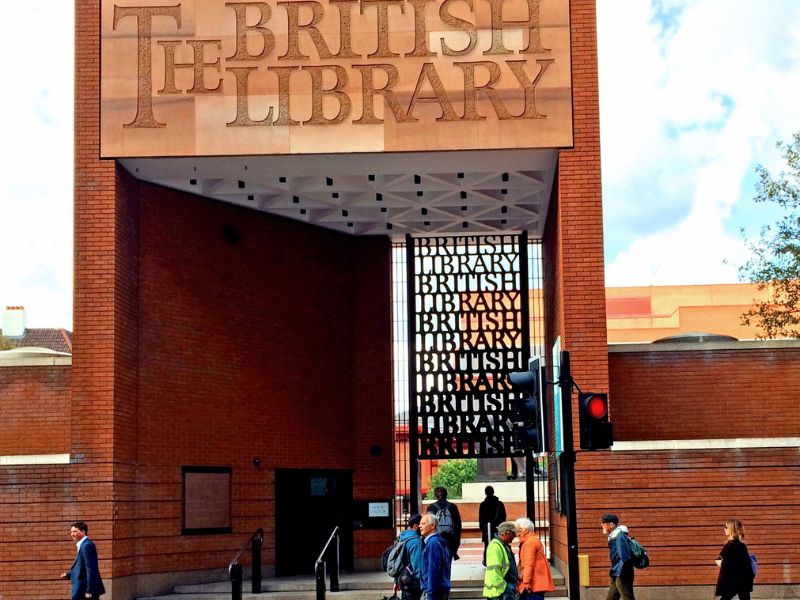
[84, 573]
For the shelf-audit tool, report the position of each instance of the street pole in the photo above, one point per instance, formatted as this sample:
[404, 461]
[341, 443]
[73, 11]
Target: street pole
[530, 491]
[568, 459]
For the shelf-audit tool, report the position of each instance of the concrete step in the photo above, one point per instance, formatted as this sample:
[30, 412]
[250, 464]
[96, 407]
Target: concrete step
[467, 585]
[458, 593]
[466, 594]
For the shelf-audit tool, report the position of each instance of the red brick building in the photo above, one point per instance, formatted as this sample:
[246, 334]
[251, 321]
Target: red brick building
[231, 367]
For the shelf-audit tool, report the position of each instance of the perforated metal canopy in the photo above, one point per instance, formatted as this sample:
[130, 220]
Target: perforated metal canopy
[391, 194]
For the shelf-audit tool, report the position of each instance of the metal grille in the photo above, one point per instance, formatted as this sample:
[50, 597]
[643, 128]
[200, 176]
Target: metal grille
[542, 462]
[467, 329]
[400, 377]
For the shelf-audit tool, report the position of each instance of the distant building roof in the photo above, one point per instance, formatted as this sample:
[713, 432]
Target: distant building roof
[59, 340]
[696, 337]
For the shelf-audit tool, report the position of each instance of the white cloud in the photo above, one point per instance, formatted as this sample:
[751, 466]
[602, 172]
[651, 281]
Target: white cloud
[36, 161]
[689, 106]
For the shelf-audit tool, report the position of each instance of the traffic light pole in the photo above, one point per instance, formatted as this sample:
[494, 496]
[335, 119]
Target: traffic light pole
[568, 460]
[530, 492]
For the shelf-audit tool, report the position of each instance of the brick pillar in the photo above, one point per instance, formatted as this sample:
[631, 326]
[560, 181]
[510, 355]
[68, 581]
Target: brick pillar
[103, 439]
[573, 245]
[582, 318]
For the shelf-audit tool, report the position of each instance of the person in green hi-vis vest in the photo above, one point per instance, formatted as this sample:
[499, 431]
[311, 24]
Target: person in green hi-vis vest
[500, 580]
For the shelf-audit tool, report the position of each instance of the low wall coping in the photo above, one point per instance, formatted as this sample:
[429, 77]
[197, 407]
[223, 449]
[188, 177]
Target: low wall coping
[703, 346]
[706, 444]
[34, 357]
[34, 459]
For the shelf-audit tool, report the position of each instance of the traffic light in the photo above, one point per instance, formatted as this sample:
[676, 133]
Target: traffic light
[595, 429]
[527, 407]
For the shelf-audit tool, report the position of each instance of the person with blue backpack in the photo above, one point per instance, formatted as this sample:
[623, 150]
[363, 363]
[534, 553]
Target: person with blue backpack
[619, 552]
[408, 582]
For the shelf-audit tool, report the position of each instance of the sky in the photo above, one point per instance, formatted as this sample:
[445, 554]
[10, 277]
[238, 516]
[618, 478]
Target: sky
[693, 95]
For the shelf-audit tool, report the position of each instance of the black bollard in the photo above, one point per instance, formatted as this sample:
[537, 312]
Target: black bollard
[335, 566]
[319, 573]
[256, 550]
[235, 570]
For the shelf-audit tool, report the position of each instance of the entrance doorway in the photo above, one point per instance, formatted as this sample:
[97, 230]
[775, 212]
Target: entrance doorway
[309, 503]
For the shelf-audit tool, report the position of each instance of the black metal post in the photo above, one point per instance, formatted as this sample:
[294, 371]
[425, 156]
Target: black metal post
[319, 575]
[568, 456]
[530, 491]
[235, 571]
[413, 434]
[335, 565]
[258, 541]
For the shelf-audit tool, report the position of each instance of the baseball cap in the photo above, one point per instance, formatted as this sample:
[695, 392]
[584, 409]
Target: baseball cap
[610, 518]
[506, 526]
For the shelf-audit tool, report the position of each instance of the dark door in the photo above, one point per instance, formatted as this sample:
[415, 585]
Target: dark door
[309, 503]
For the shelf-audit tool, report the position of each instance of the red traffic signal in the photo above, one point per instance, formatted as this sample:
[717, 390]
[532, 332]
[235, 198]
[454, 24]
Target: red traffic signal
[595, 430]
[597, 406]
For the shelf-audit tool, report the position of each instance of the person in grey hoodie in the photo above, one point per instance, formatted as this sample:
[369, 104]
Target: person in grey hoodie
[619, 552]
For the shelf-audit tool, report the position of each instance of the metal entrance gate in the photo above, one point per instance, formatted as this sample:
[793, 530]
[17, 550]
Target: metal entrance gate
[468, 311]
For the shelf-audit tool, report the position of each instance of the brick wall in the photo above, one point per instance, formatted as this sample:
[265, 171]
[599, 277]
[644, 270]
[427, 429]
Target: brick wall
[275, 345]
[675, 501]
[34, 410]
[742, 389]
[34, 500]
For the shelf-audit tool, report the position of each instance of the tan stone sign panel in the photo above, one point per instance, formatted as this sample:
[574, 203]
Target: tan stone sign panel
[217, 77]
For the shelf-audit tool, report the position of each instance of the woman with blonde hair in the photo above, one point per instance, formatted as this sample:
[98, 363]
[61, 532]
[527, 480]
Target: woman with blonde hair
[735, 570]
[534, 570]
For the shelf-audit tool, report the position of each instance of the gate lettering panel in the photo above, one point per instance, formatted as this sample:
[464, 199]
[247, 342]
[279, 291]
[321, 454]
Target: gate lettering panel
[468, 328]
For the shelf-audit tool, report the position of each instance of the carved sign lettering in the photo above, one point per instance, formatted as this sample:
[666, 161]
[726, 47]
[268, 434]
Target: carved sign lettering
[389, 73]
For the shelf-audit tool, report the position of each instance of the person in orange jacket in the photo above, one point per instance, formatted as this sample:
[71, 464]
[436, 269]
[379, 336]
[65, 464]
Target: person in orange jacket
[534, 570]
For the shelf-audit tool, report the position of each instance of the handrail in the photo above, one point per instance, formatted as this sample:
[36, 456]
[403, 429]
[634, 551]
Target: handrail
[258, 532]
[319, 566]
[235, 568]
[328, 543]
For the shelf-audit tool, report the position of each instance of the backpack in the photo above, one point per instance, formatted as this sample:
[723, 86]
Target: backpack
[639, 559]
[445, 520]
[393, 559]
[754, 564]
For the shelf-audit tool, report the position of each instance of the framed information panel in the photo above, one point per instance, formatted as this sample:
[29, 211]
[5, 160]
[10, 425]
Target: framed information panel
[206, 500]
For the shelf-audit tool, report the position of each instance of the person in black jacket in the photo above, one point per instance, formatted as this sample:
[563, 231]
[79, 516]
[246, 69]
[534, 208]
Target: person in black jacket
[449, 520]
[735, 570]
[491, 513]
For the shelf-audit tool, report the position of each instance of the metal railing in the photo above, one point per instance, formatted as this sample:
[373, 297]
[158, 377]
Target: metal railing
[319, 566]
[255, 542]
